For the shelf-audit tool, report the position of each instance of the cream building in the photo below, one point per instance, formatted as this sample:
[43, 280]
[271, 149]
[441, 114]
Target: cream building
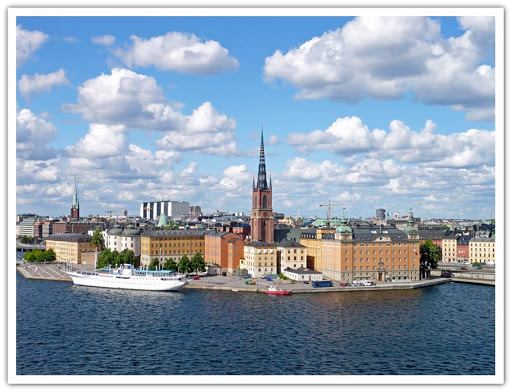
[260, 259]
[449, 247]
[68, 247]
[120, 239]
[291, 254]
[481, 250]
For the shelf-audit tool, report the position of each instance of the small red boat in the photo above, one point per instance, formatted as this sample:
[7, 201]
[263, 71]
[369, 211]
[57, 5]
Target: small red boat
[276, 291]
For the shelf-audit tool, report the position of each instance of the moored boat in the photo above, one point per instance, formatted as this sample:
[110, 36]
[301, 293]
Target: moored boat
[274, 290]
[126, 277]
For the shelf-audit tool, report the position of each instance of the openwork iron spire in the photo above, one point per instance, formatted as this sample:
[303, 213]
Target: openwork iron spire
[262, 169]
[76, 203]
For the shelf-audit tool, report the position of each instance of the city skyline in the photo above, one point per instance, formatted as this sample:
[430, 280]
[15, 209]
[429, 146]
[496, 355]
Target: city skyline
[354, 111]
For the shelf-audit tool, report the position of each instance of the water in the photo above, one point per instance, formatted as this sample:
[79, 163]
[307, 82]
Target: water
[67, 330]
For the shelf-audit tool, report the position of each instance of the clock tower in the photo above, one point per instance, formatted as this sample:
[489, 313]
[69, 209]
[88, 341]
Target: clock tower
[262, 218]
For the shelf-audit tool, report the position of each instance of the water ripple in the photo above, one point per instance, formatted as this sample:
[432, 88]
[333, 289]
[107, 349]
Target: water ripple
[65, 329]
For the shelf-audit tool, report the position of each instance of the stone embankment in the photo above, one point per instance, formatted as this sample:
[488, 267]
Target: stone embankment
[52, 272]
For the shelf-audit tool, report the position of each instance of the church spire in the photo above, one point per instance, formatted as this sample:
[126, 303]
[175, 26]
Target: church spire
[262, 170]
[76, 203]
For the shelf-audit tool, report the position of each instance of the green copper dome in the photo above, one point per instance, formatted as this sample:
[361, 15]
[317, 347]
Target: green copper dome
[115, 230]
[344, 227]
[130, 230]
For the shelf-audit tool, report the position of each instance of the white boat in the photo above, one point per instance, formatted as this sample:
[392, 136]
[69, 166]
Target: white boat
[126, 277]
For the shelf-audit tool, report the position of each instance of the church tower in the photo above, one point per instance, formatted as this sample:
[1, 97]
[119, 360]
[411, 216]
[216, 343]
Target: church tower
[262, 219]
[75, 206]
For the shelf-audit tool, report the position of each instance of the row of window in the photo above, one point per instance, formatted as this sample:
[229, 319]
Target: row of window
[380, 259]
[175, 244]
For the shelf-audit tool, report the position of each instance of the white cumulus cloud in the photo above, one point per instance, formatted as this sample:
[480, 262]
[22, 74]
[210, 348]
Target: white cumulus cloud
[100, 142]
[27, 42]
[385, 57]
[33, 134]
[180, 52]
[31, 84]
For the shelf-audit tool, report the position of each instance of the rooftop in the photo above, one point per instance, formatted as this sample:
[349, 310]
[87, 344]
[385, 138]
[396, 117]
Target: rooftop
[260, 244]
[289, 244]
[303, 271]
[174, 233]
[70, 237]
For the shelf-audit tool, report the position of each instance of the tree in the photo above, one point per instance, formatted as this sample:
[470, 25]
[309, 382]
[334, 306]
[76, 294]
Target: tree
[171, 265]
[184, 265]
[29, 256]
[128, 257]
[197, 263]
[49, 255]
[154, 263]
[97, 239]
[116, 258]
[105, 258]
[39, 255]
[25, 239]
[430, 254]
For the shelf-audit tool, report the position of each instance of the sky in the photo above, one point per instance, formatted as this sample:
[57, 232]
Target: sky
[367, 112]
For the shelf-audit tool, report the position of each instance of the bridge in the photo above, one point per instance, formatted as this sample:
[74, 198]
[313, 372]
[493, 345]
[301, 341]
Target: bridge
[24, 247]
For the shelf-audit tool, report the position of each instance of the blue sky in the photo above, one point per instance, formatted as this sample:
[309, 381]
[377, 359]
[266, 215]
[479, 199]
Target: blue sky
[367, 112]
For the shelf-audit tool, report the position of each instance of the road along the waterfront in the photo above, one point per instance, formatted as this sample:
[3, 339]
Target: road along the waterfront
[51, 272]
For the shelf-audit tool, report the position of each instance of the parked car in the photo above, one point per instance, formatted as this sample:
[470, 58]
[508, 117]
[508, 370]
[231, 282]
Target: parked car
[247, 276]
[195, 278]
[305, 282]
[343, 284]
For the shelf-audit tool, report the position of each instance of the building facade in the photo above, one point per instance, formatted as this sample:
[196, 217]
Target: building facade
[170, 245]
[291, 254]
[312, 240]
[463, 249]
[303, 274]
[371, 252]
[449, 249]
[262, 219]
[75, 227]
[260, 259]
[120, 239]
[224, 249]
[68, 247]
[26, 227]
[153, 209]
[481, 250]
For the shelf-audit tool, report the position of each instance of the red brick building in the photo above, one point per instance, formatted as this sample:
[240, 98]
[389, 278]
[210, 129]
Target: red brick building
[223, 249]
[262, 219]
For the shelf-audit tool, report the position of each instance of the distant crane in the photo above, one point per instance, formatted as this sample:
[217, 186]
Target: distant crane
[329, 205]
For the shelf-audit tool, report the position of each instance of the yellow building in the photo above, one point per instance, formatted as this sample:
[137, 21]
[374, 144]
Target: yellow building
[170, 244]
[68, 247]
[312, 240]
[449, 248]
[260, 259]
[481, 250]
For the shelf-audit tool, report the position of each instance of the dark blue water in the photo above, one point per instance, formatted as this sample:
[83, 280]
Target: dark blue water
[64, 329]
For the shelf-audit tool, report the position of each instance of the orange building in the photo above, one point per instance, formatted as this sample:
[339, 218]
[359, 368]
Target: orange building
[378, 254]
[223, 249]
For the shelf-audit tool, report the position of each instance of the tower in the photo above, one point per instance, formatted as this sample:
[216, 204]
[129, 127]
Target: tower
[262, 219]
[75, 206]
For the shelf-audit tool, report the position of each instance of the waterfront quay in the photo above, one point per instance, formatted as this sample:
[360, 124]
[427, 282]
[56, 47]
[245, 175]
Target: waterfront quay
[233, 283]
